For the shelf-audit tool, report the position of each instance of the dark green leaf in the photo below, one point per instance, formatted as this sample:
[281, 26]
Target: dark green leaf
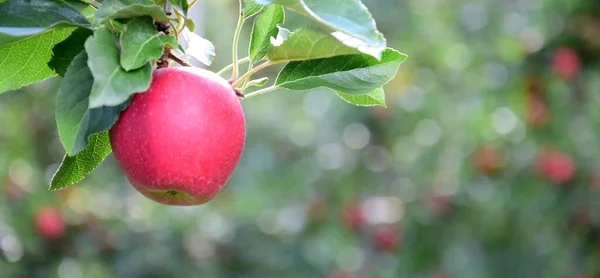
[112, 84]
[115, 9]
[250, 8]
[373, 98]
[350, 17]
[140, 43]
[265, 27]
[349, 74]
[64, 52]
[74, 169]
[20, 19]
[26, 61]
[74, 120]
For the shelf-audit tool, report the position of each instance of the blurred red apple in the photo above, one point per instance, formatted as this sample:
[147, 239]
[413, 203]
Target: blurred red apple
[566, 63]
[179, 142]
[354, 217]
[438, 203]
[386, 239]
[555, 166]
[49, 223]
[488, 160]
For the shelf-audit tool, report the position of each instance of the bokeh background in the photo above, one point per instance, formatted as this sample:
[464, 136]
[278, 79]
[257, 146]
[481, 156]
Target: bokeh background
[485, 164]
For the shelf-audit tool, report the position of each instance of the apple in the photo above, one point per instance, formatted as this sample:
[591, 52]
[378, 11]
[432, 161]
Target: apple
[354, 217]
[488, 160]
[555, 166]
[386, 239]
[179, 142]
[438, 203]
[49, 223]
[566, 63]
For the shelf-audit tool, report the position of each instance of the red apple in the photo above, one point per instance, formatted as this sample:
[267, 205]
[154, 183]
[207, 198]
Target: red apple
[354, 217]
[438, 203]
[179, 142]
[488, 160]
[555, 166]
[386, 239]
[49, 223]
[566, 63]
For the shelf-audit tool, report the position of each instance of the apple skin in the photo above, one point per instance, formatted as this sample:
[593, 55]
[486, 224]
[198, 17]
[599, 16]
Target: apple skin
[555, 166]
[49, 223]
[179, 142]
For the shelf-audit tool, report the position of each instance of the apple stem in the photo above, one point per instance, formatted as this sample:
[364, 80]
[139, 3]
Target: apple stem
[177, 59]
[236, 38]
[262, 91]
[229, 67]
[248, 74]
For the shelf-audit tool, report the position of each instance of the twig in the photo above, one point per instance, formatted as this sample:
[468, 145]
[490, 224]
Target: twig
[236, 38]
[260, 67]
[172, 56]
[262, 91]
[230, 66]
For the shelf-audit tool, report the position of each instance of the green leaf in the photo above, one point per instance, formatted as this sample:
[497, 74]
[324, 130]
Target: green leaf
[115, 9]
[306, 44]
[350, 17]
[190, 24]
[21, 19]
[74, 120]
[349, 74]
[74, 168]
[140, 43]
[26, 61]
[250, 8]
[265, 27]
[64, 52]
[112, 84]
[182, 5]
[261, 82]
[373, 98]
[85, 9]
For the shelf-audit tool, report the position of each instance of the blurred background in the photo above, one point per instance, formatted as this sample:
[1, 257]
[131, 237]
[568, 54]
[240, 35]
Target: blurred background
[485, 164]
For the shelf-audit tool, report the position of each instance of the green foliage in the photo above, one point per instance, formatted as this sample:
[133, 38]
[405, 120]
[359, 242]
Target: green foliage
[22, 19]
[117, 9]
[350, 74]
[140, 43]
[265, 26]
[25, 62]
[113, 85]
[64, 52]
[182, 5]
[75, 121]
[74, 168]
[307, 44]
[373, 98]
[250, 8]
[348, 16]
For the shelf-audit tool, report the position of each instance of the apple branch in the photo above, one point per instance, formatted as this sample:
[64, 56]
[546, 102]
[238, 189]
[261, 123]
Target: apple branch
[261, 91]
[249, 74]
[230, 66]
[236, 38]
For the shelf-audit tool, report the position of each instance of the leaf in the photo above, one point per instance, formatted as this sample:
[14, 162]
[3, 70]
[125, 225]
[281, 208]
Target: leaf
[350, 17]
[265, 26]
[140, 43]
[306, 44]
[26, 61]
[112, 84]
[250, 8]
[114, 9]
[74, 168]
[64, 52]
[261, 82]
[21, 19]
[373, 98]
[349, 74]
[197, 47]
[182, 5]
[74, 120]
